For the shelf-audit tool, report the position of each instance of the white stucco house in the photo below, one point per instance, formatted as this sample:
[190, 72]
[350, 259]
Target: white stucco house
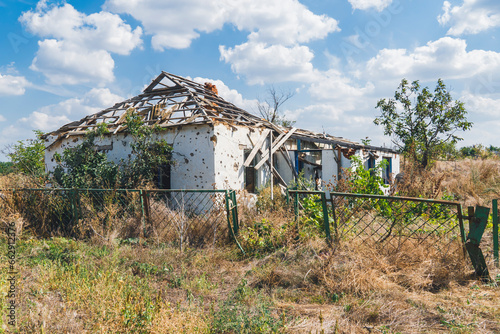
[217, 145]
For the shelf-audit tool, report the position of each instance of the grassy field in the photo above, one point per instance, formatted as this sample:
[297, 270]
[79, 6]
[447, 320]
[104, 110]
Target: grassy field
[285, 283]
[68, 286]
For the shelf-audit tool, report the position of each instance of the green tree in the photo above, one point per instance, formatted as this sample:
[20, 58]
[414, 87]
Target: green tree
[421, 121]
[27, 156]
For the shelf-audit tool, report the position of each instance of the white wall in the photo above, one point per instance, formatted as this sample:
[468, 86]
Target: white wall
[193, 153]
[329, 167]
[232, 141]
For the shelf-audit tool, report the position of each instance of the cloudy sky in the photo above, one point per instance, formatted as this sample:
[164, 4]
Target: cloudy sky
[60, 61]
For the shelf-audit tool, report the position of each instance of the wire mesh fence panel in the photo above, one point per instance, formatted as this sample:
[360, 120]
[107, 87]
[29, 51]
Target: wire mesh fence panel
[186, 217]
[46, 212]
[183, 217]
[310, 210]
[393, 222]
[397, 221]
[108, 212]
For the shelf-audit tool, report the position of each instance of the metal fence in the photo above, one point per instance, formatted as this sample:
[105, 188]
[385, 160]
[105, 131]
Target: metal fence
[183, 217]
[393, 222]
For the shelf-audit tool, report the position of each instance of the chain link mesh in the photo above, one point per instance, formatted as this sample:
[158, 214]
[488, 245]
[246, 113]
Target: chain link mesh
[183, 217]
[384, 220]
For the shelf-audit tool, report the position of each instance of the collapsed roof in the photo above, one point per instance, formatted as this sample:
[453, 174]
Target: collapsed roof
[171, 101]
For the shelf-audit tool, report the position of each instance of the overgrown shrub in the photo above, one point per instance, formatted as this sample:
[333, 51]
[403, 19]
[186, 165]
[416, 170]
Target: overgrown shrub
[85, 167]
[358, 180]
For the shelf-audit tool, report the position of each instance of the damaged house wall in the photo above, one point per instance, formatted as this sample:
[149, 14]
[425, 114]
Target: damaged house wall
[193, 154]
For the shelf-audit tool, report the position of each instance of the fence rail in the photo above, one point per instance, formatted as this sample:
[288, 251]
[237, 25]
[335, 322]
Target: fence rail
[185, 217]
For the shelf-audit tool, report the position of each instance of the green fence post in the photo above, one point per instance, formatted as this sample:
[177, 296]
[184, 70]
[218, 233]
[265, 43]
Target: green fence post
[228, 214]
[234, 211]
[477, 225]
[335, 225]
[495, 231]
[326, 219]
[461, 223]
[296, 206]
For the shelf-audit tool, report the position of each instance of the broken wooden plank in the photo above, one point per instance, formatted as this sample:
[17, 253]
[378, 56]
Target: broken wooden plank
[275, 147]
[256, 147]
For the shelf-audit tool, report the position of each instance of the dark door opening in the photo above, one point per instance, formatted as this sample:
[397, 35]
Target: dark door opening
[250, 174]
[163, 177]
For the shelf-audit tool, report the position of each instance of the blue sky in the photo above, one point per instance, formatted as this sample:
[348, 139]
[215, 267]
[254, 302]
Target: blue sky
[63, 60]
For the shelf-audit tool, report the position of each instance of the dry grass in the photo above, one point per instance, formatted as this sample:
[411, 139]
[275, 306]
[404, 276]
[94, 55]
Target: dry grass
[289, 281]
[474, 182]
[76, 287]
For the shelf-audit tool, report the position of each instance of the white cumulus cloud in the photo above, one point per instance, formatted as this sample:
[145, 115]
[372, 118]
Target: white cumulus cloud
[261, 63]
[64, 62]
[339, 89]
[13, 84]
[472, 17]
[174, 24]
[53, 116]
[325, 111]
[368, 4]
[445, 58]
[77, 47]
[488, 106]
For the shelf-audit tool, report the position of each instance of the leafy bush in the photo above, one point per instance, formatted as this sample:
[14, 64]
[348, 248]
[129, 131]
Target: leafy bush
[263, 237]
[312, 215]
[479, 151]
[149, 152]
[6, 168]
[359, 180]
[84, 167]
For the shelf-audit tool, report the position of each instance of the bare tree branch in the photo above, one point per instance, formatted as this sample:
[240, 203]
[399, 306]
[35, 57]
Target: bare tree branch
[269, 108]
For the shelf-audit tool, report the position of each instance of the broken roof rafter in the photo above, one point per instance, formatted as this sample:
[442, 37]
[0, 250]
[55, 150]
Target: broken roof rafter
[168, 99]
